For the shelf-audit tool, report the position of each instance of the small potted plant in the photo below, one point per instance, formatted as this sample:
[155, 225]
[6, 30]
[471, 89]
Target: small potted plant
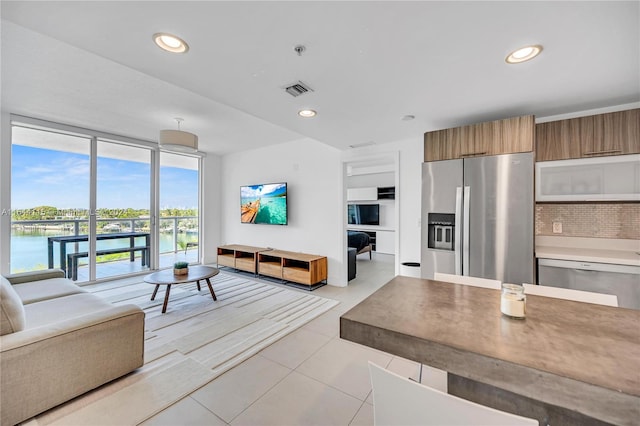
[181, 268]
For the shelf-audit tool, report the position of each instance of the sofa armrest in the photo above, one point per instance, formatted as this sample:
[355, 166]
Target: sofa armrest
[45, 366]
[25, 277]
[43, 333]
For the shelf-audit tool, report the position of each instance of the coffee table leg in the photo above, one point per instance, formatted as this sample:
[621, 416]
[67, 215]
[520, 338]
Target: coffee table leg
[198, 283]
[155, 291]
[166, 299]
[211, 290]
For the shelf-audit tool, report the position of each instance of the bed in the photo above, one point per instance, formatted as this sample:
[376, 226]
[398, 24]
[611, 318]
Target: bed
[360, 241]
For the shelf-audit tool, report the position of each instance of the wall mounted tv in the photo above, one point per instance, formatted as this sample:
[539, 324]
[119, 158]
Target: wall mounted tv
[264, 203]
[363, 214]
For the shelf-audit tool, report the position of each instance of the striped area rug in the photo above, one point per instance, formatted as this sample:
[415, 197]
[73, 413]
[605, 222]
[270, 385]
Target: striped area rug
[195, 341]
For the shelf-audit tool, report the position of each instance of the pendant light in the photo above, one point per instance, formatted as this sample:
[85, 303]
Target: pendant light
[178, 140]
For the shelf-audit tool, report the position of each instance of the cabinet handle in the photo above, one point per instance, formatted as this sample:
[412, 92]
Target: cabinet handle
[471, 154]
[610, 151]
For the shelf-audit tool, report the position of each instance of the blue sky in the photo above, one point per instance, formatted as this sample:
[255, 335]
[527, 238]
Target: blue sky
[61, 179]
[257, 191]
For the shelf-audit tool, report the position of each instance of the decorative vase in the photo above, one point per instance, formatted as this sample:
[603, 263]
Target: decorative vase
[181, 271]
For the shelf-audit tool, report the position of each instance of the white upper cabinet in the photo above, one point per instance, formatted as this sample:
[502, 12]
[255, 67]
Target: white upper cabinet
[615, 178]
[362, 194]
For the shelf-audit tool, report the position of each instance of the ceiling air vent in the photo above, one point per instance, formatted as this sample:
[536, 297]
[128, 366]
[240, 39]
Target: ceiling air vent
[298, 88]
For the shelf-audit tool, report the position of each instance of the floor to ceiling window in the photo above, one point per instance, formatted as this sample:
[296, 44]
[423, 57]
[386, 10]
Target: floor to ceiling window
[123, 209]
[86, 202]
[179, 216]
[50, 180]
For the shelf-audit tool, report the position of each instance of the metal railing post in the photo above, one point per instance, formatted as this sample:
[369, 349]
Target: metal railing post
[76, 231]
[175, 234]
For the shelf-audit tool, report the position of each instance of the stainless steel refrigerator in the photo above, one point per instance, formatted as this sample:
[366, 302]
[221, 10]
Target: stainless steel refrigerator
[477, 217]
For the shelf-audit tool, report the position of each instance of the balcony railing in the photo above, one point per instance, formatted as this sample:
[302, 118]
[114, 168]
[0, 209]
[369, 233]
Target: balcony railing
[188, 226]
[177, 233]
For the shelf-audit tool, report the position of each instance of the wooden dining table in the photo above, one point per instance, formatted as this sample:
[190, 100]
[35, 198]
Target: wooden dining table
[567, 362]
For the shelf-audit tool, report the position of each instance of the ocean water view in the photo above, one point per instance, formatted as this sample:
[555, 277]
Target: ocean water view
[29, 248]
[273, 210]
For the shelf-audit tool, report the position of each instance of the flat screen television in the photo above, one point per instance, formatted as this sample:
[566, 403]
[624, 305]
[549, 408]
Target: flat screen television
[363, 214]
[265, 203]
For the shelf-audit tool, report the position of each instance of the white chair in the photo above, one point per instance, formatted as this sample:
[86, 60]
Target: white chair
[570, 294]
[399, 401]
[466, 280]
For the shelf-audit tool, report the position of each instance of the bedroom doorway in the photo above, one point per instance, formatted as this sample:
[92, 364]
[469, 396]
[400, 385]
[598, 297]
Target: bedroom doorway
[371, 220]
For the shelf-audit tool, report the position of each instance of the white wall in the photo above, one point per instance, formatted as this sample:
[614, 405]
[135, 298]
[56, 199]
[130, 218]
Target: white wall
[210, 210]
[314, 179]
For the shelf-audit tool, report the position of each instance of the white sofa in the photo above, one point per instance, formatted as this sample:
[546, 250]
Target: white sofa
[58, 341]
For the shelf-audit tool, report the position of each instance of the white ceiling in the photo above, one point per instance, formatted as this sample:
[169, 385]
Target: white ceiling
[94, 64]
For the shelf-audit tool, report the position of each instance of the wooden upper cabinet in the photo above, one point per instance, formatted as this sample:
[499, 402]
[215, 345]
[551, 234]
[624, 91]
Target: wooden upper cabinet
[441, 145]
[513, 135]
[614, 133]
[620, 133]
[490, 138]
[557, 140]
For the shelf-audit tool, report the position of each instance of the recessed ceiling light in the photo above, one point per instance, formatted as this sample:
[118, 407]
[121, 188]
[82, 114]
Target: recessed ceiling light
[524, 54]
[408, 117]
[307, 113]
[170, 43]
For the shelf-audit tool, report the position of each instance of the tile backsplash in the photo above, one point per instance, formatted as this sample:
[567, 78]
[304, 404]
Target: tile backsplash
[606, 220]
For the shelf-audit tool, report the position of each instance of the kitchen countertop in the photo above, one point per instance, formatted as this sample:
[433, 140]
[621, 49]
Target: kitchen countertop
[599, 250]
[581, 358]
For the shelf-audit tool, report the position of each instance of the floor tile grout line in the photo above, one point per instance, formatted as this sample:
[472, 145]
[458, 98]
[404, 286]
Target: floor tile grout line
[264, 393]
[357, 412]
[205, 407]
[304, 360]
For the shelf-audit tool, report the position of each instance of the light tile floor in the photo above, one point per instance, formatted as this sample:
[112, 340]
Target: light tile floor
[310, 377]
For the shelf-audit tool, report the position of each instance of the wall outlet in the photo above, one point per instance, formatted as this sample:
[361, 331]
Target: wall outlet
[557, 227]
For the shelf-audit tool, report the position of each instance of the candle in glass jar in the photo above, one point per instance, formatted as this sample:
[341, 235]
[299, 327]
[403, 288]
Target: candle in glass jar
[513, 301]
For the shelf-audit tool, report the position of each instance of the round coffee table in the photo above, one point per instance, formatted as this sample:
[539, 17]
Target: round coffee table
[168, 278]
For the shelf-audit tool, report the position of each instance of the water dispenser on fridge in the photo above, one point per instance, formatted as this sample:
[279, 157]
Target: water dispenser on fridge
[441, 231]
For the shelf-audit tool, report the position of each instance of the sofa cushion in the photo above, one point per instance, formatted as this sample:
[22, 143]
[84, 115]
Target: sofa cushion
[12, 315]
[37, 291]
[63, 308]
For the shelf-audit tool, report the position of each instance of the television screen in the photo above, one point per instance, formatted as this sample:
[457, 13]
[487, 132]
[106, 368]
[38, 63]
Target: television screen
[265, 203]
[363, 214]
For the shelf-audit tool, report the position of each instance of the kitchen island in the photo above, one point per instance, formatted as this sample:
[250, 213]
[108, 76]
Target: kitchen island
[566, 363]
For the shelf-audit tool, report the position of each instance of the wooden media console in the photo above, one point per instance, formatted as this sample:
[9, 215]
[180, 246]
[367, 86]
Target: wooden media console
[301, 268]
[239, 257]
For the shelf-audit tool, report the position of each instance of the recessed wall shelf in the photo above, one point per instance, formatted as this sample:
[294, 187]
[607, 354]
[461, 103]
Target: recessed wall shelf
[371, 193]
[387, 193]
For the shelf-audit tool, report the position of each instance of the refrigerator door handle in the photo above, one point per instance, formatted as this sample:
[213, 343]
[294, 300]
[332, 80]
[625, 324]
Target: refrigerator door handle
[465, 231]
[458, 232]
